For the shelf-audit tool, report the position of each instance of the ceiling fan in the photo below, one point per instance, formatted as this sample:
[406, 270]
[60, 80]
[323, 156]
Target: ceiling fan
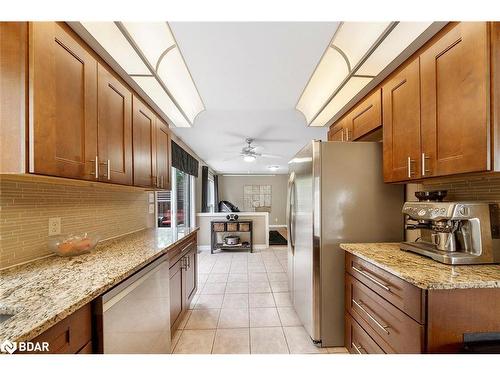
[250, 154]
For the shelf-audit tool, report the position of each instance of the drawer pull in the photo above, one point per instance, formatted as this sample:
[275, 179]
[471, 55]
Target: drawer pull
[357, 348]
[371, 278]
[381, 326]
[185, 247]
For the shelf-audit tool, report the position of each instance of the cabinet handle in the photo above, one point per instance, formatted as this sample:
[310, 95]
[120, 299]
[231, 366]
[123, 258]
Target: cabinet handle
[360, 305]
[357, 348]
[96, 167]
[343, 133]
[108, 169]
[409, 166]
[188, 260]
[185, 247]
[184, 263]
[161, 182]
[424, 170]
[347, 134]
[371, 278]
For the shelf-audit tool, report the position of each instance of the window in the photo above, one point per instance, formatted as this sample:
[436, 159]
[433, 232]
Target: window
[164, 209]
[175, 208]
[211, 194]
[183, 198]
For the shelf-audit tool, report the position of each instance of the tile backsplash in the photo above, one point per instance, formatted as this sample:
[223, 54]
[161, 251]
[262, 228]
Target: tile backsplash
[459, 189]
[472, 188]
[27, 203]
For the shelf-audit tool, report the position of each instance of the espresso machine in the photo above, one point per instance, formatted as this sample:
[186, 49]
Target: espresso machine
[453, 232]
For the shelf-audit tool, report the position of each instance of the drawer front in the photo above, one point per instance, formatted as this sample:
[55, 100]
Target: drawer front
[179, 250]
[70, 335]
[357, 341]
[400, 293]
[389, 326]
[87, 349]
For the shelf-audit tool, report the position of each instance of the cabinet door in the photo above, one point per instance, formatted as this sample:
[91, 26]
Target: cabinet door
[63, 100]
[163, 155]
[176, 293]
[191, 274]
[366, 116]
[144, 158]
[455, 101]
[401, 103]
[115, 129]
[337, 133]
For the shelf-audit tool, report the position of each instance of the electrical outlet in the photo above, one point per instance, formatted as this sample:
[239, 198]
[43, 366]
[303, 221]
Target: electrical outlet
[54, 226]
[151, 208]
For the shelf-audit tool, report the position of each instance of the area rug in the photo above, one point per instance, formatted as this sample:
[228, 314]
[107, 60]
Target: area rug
[275, 238]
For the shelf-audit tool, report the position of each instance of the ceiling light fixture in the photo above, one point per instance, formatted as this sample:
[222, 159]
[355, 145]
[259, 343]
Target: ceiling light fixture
[273, 168]
[249, 158]
[149, 54]
[358, 52]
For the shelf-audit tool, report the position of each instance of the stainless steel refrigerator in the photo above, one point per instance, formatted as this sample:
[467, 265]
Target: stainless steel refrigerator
[336, 194]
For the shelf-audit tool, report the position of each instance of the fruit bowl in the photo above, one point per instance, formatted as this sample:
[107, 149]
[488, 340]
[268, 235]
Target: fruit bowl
[72, 245]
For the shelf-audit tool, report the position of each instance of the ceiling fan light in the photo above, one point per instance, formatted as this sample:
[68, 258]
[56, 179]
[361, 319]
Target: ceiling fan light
[249, 158]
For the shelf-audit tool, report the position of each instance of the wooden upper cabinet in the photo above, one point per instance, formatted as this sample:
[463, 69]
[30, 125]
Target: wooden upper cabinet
[340, 131]
[63, 104]
[366, 116]
[455, 101]
[115, 129]
[401, 116]
[143, 135]
[163, 155]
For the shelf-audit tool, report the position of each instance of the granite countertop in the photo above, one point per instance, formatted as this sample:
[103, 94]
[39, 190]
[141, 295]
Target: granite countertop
[44, 292]
[424, 272]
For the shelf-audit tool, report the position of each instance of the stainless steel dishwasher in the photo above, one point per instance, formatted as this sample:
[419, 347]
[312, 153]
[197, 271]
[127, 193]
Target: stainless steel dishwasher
[134, 316]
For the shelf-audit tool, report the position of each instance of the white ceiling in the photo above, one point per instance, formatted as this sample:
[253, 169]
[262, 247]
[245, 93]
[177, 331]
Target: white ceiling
[250, 76]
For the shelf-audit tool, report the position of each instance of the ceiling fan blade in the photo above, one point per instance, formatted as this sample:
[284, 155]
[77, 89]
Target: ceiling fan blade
[270, 156]
[273, 140]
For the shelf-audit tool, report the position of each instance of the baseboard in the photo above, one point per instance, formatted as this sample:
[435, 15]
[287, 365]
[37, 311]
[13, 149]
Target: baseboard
[256, 247]
[277, 226]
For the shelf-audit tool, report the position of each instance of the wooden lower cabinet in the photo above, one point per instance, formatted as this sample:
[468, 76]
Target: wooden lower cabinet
[183, 279]
[177, 304]
[393, 329]
[384, 313]
[72, 335]
[357, 341]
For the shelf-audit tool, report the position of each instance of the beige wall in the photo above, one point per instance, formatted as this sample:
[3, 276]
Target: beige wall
[27, 202]
[231, 189]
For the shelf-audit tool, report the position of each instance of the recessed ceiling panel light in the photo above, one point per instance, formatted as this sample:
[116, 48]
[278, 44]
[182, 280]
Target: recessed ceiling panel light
[357, 53]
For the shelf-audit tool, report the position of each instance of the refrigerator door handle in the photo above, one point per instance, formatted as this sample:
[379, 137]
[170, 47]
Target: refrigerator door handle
[291, 214]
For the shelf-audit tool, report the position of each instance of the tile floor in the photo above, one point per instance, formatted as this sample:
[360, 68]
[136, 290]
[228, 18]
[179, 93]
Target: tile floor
[242, 306]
